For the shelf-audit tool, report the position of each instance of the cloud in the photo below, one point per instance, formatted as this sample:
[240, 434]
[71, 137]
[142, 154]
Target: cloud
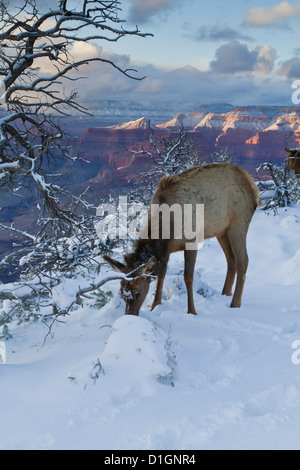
[82, 51]
[235, 57]
[290, 68]
[97, 77]
[187, 85]
[152, 86]
[42, 6]
[142, 10]
[232, 58]
[219, 32]
[266, 56]
[262, 17]
[85, 50]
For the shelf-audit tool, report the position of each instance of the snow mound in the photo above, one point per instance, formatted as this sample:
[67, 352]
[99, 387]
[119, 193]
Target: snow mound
[290, 222]
[293, 270]
[136, 356]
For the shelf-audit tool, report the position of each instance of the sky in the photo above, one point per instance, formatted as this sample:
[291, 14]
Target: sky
[214, 51]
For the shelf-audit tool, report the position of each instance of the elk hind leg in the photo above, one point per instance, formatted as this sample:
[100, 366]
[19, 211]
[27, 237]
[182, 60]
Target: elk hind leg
[231, 266]
[237, 237]
[189, 265]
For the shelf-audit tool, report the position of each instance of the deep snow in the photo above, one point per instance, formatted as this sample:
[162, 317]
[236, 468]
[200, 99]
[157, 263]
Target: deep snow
[167, 380]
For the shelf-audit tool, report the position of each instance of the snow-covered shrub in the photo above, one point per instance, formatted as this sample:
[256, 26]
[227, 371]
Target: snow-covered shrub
[221, 156]
[279, 188]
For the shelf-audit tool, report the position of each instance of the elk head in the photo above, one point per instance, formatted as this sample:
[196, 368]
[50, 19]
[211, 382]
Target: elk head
[294, 160]
[136, 285]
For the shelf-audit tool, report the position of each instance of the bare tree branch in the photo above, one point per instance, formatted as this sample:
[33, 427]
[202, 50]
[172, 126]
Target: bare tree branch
[35, 61]
[30, 134]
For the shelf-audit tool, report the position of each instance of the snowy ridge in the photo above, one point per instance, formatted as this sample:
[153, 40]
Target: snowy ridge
[286, 122]
[141, 123]
[225, 379]
[251, 118]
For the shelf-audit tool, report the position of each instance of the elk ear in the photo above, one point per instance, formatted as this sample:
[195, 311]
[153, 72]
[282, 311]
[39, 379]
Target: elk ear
[150, 266]
[292, 151]
[115, 264]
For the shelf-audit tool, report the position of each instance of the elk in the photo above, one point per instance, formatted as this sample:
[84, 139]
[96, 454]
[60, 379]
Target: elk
[229, 196]
[293, 161]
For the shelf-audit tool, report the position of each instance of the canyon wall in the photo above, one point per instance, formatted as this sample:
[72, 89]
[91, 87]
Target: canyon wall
[252, 135]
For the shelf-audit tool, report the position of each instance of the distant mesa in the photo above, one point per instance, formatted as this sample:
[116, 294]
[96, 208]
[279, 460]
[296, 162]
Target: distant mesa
[252, 135]
[141, 123]
[258, 118]
[189, 120]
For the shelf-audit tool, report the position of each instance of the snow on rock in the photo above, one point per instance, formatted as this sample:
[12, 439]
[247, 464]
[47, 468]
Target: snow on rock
[243, 117]
[141, 123]
[7, 305]
[189, 120]
[136, 355]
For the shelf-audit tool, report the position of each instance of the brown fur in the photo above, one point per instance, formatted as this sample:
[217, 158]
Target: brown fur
[230, 198]
[293, 161]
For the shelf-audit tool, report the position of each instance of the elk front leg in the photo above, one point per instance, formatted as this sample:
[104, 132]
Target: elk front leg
[189, 264]
[159, 286]
[158, 293]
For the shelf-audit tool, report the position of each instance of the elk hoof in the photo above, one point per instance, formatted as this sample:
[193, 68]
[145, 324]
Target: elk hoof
[155, 305]
[228, 293]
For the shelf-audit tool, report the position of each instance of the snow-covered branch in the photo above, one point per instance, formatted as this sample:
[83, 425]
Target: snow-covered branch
[171, 154]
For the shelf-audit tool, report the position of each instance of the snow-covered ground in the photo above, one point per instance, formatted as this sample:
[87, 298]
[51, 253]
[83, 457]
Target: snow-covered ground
[226, 379]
